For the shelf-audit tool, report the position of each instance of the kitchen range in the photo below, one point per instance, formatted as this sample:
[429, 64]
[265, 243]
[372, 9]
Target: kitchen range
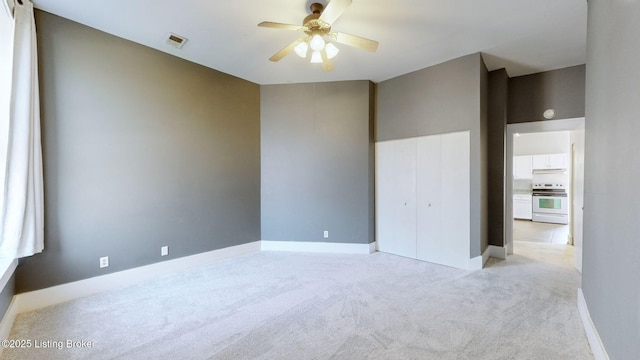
[549, 198]
[540, 188]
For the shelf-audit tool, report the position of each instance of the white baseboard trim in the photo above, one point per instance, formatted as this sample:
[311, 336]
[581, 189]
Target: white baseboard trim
[318, 247]
[57, 294]
[477, 262]
[499, 252]
[597, 348]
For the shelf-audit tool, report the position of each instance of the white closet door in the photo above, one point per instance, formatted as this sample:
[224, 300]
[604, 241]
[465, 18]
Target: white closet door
[455, 190]
[429, 197]
[396, 197]
[385, 195]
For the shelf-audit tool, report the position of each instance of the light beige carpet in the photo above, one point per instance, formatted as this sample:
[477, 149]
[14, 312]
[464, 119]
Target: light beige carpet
[271, 305]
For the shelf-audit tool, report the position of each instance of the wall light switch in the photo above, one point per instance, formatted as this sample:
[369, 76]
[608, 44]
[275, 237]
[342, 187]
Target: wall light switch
[164, 251]
[326, 234]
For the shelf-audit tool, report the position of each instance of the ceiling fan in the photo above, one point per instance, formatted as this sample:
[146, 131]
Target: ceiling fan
[317, 27]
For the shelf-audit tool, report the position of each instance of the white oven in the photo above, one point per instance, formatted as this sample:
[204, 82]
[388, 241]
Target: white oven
[552, 208]
[549, 200]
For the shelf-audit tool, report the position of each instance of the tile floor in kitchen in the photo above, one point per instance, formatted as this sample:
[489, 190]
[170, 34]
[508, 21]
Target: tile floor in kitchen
[526, 230]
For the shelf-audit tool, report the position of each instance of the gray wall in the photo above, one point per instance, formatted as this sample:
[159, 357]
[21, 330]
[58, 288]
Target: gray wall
[442, 98]
[498, 95]
[561, 90]
[317, 162]
[611, 228]
[141, 149]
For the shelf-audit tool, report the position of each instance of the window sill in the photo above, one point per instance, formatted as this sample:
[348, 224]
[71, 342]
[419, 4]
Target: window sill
[7, 267]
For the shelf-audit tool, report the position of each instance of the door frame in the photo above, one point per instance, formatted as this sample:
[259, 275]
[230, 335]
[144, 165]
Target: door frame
[523, 128]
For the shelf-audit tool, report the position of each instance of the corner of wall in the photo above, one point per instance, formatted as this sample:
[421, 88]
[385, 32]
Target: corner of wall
[485, 158]
[373, 102]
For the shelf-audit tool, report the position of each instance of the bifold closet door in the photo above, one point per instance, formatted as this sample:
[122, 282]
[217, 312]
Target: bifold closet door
[456, 199]
[443, 199]
[396, 197]
[429, 176]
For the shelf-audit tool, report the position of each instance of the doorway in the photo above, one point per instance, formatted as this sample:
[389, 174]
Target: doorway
[553, 231]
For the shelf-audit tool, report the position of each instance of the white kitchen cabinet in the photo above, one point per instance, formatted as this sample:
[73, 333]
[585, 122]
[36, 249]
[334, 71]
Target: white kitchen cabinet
[522, 206]
[434, 183]
[523, 167]
[550, 161]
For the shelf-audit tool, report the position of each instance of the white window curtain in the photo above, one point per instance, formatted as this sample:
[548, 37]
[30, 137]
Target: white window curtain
[22, 217]
[6, 59]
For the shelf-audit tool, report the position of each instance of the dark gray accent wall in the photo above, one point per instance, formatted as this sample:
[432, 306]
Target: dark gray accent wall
[611, 250]
[518, 100]
[484, 155]
[439, 99]
[497, 124]
[561, 90]
[317, 162]
[141, 149]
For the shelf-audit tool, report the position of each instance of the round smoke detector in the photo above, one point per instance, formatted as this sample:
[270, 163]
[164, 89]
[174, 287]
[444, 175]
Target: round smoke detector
[549, 114]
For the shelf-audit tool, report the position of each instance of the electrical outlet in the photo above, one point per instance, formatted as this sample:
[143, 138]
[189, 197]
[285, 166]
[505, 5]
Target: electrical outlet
[326, 234]
[104, 261]
[164, 251]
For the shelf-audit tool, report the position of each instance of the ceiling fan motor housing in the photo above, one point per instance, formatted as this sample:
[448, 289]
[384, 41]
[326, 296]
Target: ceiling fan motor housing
[316, 8]
[312, 23]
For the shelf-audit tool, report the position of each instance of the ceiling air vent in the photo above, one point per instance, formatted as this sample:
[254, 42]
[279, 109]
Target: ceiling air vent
[176, 41]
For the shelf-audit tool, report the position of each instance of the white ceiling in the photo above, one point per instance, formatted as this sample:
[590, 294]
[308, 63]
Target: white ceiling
[523, 36]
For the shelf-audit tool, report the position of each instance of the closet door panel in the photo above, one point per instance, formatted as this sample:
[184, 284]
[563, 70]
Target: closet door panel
[385, 195]
[428, 197]
[405, 170]
[455, 190]
[396, 191]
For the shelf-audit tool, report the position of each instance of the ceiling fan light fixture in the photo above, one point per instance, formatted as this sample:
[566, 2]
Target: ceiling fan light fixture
[316, 57]
[331, 50]
[301, 49]
[318, 36]
[316, 43]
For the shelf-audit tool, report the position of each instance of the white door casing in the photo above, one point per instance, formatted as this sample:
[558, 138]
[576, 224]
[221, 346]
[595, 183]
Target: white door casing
[578, 195]
[528, 127]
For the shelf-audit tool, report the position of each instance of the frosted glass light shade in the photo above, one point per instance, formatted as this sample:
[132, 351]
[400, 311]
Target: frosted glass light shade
[316, 43]
[316, 57]
[301, 49]
[331, 50]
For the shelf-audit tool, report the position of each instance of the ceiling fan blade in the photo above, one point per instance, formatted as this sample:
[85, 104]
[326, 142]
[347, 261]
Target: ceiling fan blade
[284, 52]
[275, 25]
[334, 9]
[356, 41]
[327, 64]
